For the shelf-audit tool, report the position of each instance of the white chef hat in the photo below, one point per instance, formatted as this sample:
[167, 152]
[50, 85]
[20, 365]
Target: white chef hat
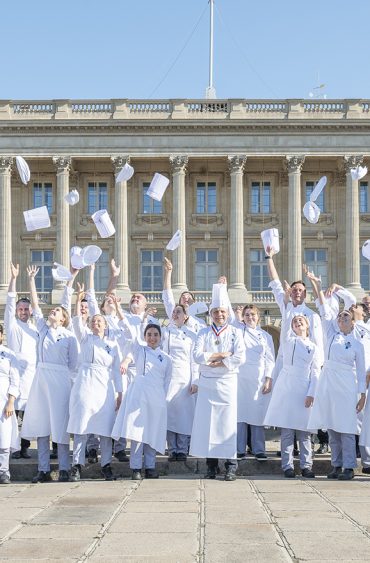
[125, 173]
[37, 218]
[157, 186]
[91, 254]
[311, 211]
[366, 249]
[60, 273]
[72, 197]
[103, 223]
[318, 188]
[76, 257]
[220, 297]
[270, 238]
[359, 172]
[198, 308]
[175, 241]
[23, 169]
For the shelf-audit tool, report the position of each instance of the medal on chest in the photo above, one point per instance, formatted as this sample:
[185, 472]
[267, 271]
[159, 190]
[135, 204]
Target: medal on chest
[217, 331]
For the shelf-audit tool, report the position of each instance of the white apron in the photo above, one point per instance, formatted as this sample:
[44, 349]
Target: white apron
[336, 398]
[364, 424]
[26, 373]
[47, 409]
[215, 420]
[9, 437]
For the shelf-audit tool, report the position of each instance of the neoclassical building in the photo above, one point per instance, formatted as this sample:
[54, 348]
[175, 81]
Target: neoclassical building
[236, 167]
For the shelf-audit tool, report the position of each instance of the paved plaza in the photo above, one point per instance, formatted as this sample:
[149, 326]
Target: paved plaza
[185, 518]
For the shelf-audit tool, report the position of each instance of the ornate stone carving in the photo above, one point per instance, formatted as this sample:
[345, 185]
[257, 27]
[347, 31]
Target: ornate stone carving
[178, 163]
[236, 163]
[62, 163]
[118, 162]
[340, 176]
[74, 179]
[294, 163]
[6, 163]
[352, 161]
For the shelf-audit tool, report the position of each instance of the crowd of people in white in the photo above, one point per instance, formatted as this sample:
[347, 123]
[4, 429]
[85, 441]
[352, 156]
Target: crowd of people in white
[106, 376]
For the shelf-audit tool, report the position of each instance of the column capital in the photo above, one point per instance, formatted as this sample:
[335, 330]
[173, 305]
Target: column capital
[294, 163]
[119, 161]
[178, 163]
[236, 163]
[352, 161]
[6, 163]
[62, 163]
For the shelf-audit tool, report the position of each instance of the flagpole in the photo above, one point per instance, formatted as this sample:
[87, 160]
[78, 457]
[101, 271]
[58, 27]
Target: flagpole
[211, 91]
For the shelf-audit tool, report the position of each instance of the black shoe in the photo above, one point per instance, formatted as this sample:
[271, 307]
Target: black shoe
[121, 456]
[54, 453]
[172, 457]
[308, 473]
[334, 473]
[24, 453]
[346, 475]
[211, 473]
[278, 453]
[181, 457]
[136, 475]
[366, 470]
[4, 479]
[296, 452]
[42, 477]
[261, 457]
[63, 476]
[151, 474]
[108, 473]
[16, 455]
[92, 456]
[75, 473]
[230, 476]
[322, 449]
[289, 474]
[241, 456]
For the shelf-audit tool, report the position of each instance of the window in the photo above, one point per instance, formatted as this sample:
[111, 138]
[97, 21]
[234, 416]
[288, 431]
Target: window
[102, 272]
[206, 197]
[320, 202]
[43, 195]
[150, 205]
[43, 259]
[261, 197]
[317, 260]
[206, 269]
[151, 270]
[258, 271]
[97, 194]
[364, 272]
[364, 197]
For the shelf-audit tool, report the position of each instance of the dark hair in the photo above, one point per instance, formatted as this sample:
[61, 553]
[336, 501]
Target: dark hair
[182, 307]
[252, 308]
[152, 325]
[189, 292]
[298, 281]
[23, 300]
[84, 300]
[1, 329]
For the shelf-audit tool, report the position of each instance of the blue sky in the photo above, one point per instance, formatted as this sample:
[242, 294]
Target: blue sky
[144, 49]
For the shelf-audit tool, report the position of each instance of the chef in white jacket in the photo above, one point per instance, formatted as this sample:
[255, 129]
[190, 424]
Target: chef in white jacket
[219, 350]
[178, 342]
[254, 382]
[47, 407]
[22, 338]
[93, 400]
[341, 391]
[9, 390]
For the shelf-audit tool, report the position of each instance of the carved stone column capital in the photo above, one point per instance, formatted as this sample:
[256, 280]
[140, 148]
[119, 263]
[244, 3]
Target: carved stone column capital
[178, 163]
[118, 162]
[6, 163]
[62, 163]
[236, 163]
[352, 161]
[294, 163]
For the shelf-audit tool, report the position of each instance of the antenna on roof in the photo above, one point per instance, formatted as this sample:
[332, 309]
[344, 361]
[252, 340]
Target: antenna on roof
[210, 90]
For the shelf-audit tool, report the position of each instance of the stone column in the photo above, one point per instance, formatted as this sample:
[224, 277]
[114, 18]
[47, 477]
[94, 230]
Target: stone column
[5, 224]
[178, 257]
[352, 226]
[121, 225]
[294, 232]
[62, 166]
[237, 289]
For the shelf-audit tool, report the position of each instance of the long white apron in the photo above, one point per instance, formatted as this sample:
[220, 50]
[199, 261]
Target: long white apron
[47, 409]
[27, 374]
[336, 398]
[215, 420]
[9, 437]
[252, 404]
[286, 408]
[92, 401]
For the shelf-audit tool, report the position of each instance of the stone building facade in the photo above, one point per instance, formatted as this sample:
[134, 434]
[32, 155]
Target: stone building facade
[236, 167]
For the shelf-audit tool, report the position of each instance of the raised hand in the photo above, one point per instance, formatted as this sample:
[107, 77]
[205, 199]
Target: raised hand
[32, 271]
[80, 291]
[14, 270]
[167, 265]
[114, 268]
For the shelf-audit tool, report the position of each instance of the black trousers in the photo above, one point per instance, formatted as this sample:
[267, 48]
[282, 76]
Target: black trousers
[323, 437]
[230, 464]
[24, 443]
